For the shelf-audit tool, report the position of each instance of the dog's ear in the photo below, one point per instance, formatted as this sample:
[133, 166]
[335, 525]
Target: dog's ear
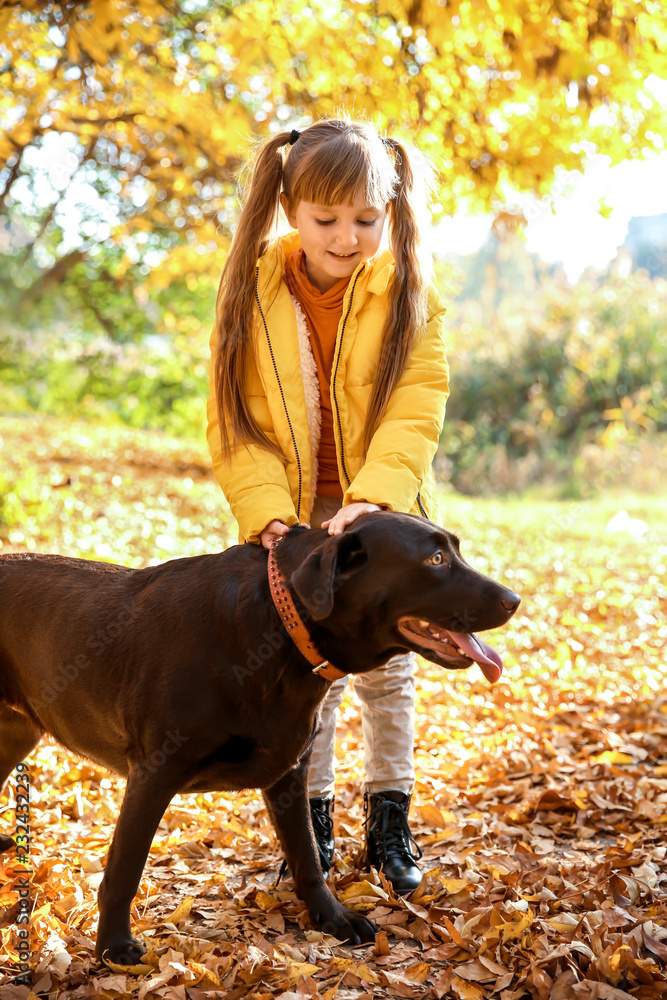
[325, 569]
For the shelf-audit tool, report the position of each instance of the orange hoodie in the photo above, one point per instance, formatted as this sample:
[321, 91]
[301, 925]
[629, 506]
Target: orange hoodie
[323, 311]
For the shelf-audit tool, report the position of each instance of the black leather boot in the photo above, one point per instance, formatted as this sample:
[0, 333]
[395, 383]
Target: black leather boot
[321, 814]
[388, 839]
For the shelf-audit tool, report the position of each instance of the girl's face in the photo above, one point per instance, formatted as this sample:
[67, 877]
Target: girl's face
[336, 238]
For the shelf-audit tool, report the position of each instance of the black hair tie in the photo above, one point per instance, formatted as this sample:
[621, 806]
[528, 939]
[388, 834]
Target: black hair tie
[293, 136]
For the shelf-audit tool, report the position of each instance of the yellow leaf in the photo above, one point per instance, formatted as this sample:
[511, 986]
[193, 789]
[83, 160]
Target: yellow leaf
[362, 971]
[465, 990]
[514, 929]
[452, 885]
[181, 911]
[363, 888]
[496, 871]
[242, 831]
[264, 901]
[510, 930]
[130, 970]
[343, 964]
[418, 973]
[612, 757]
[330, 994]
[205, 977]
[365, 973]
[298, 969]
[41, 912]
[432, 816]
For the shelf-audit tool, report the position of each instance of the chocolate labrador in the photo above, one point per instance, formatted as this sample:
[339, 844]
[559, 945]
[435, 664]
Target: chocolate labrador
[182, 677]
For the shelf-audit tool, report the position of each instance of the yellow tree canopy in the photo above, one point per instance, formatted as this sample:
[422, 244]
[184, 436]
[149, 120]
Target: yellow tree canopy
[163, 99]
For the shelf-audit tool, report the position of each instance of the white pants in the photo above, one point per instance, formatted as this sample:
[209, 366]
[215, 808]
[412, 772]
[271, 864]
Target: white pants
[387, 697]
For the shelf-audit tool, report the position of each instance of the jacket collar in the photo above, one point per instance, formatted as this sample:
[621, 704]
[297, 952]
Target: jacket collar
[375, 273]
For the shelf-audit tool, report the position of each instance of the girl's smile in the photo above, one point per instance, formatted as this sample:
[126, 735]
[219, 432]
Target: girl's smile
[336, 238]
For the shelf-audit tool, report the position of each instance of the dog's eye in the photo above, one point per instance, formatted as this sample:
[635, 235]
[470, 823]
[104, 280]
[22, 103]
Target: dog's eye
[436, 559]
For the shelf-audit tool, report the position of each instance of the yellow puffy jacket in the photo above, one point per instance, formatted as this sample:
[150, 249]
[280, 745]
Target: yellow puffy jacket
[284, 398]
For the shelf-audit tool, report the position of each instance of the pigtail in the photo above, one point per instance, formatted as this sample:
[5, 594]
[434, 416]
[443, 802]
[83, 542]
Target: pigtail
[332, 159]
[236, 298]
[409, 291]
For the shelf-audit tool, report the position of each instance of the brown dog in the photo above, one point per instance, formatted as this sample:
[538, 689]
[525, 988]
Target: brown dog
[182, 678]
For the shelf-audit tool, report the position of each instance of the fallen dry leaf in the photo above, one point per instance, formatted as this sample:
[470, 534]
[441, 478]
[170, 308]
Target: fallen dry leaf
[540, 803]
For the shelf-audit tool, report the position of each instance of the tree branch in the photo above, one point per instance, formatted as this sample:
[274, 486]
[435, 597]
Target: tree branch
[14, 172]
[49, 278]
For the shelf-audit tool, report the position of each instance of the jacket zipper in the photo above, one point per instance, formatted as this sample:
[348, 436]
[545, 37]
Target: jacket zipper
[333, 384]
[340, 429]
[282, 394]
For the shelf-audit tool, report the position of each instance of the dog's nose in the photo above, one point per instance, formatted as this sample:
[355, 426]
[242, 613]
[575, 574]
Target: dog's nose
[510, 601]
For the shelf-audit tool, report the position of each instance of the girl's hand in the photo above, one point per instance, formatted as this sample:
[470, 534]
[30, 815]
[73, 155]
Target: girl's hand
[346, 515]
[272, 530]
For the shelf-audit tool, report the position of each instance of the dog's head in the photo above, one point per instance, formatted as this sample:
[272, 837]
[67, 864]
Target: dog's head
[396, 581]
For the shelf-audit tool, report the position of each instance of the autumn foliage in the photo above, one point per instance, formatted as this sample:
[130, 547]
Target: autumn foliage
[159, 103]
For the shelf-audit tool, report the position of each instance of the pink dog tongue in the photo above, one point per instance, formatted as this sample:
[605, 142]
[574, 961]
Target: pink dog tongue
[488, 659]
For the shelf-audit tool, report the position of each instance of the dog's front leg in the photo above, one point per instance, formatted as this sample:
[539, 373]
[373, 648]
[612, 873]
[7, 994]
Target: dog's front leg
[287, 802]
[147, 795]
[18, 736]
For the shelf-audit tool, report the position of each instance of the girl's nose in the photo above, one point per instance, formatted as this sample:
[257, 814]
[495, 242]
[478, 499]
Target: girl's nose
[346, 238]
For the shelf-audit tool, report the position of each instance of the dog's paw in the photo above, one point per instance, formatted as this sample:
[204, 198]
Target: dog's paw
[346, 925]
[127, 952]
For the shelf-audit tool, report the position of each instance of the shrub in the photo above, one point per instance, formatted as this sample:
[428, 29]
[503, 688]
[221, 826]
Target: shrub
[581, 366]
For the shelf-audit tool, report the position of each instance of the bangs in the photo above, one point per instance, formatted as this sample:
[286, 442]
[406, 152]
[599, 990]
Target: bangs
[334, 172]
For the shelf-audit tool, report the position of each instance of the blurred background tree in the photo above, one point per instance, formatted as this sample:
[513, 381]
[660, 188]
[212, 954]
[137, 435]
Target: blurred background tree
[124, 126]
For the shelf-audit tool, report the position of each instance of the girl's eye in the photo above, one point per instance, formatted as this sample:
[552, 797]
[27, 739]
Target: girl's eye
[361, 222]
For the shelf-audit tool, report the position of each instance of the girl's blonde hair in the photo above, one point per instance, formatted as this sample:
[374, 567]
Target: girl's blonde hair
[330, 162]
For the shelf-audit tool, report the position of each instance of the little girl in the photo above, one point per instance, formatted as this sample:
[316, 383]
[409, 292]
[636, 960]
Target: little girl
[328, 389]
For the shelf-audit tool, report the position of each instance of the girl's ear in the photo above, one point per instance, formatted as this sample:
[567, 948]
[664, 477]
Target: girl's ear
[291, 217]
